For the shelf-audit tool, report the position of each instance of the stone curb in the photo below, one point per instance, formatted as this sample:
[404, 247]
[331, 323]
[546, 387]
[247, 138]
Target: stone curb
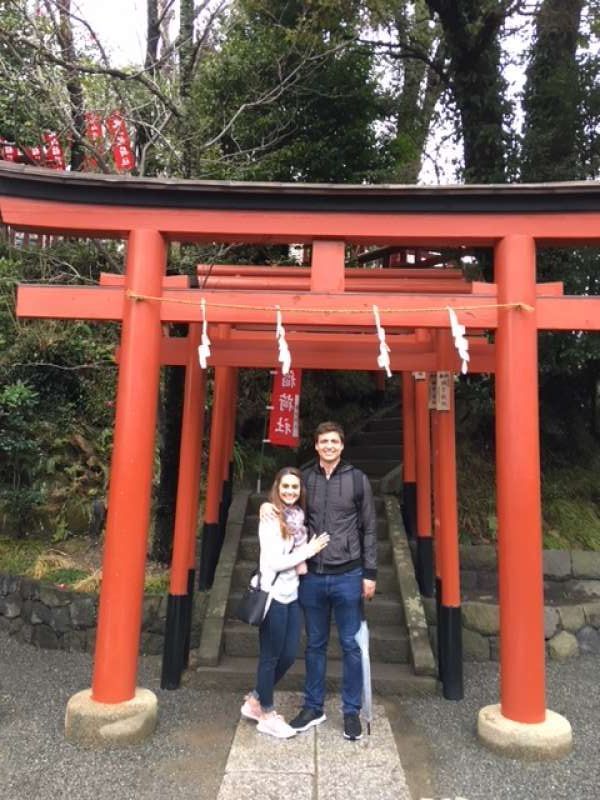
[211, 640]
[422, 657]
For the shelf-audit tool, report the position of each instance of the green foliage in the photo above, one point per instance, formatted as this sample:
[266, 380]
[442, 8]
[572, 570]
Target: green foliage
[65, 576]
[287, 96]
[56, 393]
[17, 558]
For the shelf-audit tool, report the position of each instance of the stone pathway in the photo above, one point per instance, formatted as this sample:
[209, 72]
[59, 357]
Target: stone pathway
[316, 765]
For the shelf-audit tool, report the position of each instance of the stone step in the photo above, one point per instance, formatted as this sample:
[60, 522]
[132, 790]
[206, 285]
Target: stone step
[368, 451]
[391, 423]
[381, 611]
[239, 674]
[368, 438]
[375, 485]
[386, 577]
[376, 467]
[256, 500]
[248, 550]
[250, 527]
[388, 644]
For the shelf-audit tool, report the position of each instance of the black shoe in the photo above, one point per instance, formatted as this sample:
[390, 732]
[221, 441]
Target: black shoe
[306, 719]
[352, 727]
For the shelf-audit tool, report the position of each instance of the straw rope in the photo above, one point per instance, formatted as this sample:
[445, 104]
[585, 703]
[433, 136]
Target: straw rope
[519, 306]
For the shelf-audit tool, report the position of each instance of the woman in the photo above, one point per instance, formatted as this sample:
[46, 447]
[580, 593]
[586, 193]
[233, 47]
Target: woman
[283, 547]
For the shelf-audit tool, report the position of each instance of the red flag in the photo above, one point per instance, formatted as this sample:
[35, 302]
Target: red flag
[10, 152]
[93, 127]
[55, 158]
[284, 423]
[121, 143]
[94, 133]
[34, 154]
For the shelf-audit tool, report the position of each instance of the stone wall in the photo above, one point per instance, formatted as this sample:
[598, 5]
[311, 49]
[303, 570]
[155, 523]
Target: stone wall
[56, 619]
[571, 614]
[573, 573]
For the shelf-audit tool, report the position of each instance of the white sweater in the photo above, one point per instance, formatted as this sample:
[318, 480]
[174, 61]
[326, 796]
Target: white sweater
[278, 555]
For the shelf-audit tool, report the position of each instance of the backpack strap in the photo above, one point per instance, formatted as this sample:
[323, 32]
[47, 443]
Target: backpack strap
[358, 496]
[311, 483]
[359, 489]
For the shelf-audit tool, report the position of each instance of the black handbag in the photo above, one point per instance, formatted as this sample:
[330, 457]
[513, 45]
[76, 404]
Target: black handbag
[251, 608]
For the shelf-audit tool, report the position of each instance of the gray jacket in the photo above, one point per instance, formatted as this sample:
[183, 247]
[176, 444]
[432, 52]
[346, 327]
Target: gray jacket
[331, 507]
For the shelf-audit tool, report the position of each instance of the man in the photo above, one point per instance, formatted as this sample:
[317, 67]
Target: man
[339, 502]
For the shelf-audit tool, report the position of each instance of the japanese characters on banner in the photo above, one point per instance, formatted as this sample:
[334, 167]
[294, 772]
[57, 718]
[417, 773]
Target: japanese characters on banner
[284, 423]
[120, 143]
[55, 158]
[94, 133]
[9, 151]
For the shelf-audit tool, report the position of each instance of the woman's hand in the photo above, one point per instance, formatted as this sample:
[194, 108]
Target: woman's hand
[268, 512]
[318, 543]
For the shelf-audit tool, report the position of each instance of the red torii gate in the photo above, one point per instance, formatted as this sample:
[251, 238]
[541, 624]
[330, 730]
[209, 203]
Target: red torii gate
[149, 214]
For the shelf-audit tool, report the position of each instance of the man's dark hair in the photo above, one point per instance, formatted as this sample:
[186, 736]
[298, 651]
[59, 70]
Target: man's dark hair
[329, 427]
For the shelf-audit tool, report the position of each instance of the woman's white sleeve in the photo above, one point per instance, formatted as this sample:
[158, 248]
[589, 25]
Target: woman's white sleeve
[269, 534]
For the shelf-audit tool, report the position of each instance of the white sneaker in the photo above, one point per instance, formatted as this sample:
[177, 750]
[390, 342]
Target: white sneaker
[275, 725]
[251, 710]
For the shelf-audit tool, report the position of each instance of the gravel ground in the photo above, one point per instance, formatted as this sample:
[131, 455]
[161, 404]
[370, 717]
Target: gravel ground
[186, 758]
[463, 768]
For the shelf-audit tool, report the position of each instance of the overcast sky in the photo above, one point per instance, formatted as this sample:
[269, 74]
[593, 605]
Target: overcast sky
[120, 26]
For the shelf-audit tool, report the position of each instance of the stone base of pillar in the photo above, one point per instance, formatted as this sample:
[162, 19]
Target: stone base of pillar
[540, 741]
[110, 724]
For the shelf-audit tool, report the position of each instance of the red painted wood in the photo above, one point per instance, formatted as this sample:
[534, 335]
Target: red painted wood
[420, 230]
[520, 572]
[327, 272]
[446, 492]
[409, 473]
[123, 568]
[423, 458]
[85, 302]
[190, 456]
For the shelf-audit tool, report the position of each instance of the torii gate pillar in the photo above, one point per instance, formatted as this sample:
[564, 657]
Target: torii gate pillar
[520, 726]
[114, 709]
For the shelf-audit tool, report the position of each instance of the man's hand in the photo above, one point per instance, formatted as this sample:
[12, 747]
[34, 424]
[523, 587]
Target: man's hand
[368, 589]
[268, 512]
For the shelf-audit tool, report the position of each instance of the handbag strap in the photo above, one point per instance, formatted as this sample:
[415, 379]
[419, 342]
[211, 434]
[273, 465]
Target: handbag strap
[277, 574]
[258, 573]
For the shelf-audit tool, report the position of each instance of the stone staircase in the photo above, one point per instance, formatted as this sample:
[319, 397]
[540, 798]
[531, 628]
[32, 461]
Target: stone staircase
[228, 650]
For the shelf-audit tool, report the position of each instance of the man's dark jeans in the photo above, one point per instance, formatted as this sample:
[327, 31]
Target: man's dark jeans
[318, 595]
[279, 634]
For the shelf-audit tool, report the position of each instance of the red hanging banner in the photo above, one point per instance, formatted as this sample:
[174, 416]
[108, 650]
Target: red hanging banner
[284, 423]
[34, 154]
[55, 158]
[93, 126]
[121, 143]
[10, 152]
[94, 133]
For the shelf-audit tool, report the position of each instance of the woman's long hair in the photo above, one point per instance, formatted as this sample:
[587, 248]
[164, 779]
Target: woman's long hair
[276, 500]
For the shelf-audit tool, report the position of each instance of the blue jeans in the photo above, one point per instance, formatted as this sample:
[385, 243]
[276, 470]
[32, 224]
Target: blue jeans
[279, 634]
[318, 595]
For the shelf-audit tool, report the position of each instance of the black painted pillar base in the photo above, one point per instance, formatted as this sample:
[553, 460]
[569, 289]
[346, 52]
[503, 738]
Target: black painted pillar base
[438, 617]
[409, 508]
[188, 616]
[172, 663]
[425, 571]
[209, 555]
[450, 625]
